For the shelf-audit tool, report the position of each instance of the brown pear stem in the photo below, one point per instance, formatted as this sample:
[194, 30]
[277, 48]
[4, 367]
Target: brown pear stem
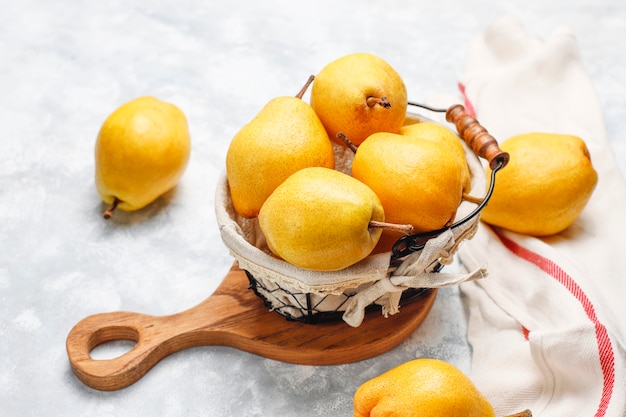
[109, 212]
[472, 199]
[382, 101]
[305, 87]
[406, 229]
[347, 141]
[525, 413]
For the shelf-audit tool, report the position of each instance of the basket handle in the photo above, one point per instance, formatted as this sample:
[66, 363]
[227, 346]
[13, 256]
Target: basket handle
[476, 136]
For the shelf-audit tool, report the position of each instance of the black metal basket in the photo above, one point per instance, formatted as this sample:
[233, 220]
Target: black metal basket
[313, 307]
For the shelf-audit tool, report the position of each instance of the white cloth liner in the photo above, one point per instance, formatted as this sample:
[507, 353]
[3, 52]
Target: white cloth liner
[547, 327]
[413, 273]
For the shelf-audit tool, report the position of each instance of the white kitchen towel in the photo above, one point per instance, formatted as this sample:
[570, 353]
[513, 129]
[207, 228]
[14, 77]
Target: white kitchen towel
[548, 325]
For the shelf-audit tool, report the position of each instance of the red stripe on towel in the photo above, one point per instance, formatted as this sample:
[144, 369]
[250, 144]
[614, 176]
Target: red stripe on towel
[525, 332]
[469, 108]
[605, 349]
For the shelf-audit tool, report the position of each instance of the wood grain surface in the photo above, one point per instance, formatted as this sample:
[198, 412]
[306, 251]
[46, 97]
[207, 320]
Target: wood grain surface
[232, 316]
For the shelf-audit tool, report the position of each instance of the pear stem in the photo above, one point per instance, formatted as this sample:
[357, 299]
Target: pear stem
[347, 141]
[472, 199]
[372, 101]
[406, 229]
[109, 212]
[305, 87]
[525, 413]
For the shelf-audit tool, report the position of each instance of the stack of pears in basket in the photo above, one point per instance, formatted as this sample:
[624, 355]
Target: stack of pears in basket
[346, 175]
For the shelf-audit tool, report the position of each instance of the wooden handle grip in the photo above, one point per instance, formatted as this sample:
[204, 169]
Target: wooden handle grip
[112, 374]
[476, 136]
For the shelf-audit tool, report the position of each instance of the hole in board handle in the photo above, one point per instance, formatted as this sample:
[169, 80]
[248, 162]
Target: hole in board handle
[112, 342]
[111, 350]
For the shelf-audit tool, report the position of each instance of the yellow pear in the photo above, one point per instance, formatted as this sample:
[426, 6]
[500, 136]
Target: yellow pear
[545, 186]
[359, 94]
[421, 387]
[321, 219]
[284, 137]
[417, 180]
[446, 138]
[141, 152]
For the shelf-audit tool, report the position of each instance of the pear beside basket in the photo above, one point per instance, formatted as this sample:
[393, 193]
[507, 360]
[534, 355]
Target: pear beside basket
[383, 281]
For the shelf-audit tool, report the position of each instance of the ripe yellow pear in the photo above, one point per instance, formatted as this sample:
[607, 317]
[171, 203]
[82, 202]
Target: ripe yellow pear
[545, 186]
[421, 387]
[284, 137]
[141, 152]
[417, 180]
[359, 94]
[321, 219]
[445, 137]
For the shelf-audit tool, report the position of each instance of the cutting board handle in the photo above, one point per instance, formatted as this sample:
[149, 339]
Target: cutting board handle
[232, 316]
[153, 339]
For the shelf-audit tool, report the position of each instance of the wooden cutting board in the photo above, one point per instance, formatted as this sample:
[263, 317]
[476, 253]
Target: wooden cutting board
[232, 316]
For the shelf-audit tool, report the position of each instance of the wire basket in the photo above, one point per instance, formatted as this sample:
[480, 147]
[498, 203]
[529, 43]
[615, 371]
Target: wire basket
[383, 281]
